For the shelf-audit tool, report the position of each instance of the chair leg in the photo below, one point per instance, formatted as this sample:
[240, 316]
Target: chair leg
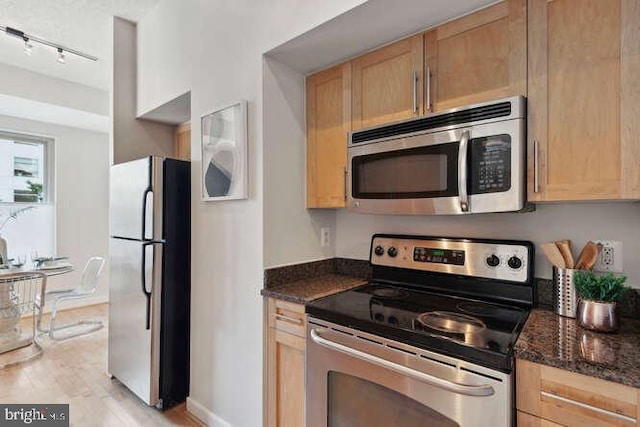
[96, 325]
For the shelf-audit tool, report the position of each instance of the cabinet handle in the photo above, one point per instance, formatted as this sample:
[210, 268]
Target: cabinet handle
[536, 165]
[415, 92]
[288, 319]
[428, 89]
[588, 407]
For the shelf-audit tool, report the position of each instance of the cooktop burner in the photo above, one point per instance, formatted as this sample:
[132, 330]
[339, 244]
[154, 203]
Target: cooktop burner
[478, 308]
[384, 292]
[451, 322]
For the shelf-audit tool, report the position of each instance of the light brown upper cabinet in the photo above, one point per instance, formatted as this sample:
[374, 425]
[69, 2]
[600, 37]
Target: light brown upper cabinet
[328, 123]
[388, 83]
[584, 100]
[477, 58]
[182, 142]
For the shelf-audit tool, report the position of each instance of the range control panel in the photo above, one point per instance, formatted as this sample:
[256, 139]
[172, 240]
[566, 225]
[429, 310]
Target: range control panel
[484, 258]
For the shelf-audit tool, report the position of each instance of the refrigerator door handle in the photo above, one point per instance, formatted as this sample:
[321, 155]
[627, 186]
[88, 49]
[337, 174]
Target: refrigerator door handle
[145, 195]
[143, 281]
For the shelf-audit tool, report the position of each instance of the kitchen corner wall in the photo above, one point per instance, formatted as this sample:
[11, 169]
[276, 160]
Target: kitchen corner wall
[579, 222]
[230, 240]
[131, 138]
[291, 233]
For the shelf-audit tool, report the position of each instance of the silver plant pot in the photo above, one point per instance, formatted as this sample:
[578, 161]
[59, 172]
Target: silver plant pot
[598, 316]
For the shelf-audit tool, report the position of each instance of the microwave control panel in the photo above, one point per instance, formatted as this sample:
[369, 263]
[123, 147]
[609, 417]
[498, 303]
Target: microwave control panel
[490, 164]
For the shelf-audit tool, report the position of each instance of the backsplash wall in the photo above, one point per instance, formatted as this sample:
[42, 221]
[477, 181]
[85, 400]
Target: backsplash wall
[579, 222]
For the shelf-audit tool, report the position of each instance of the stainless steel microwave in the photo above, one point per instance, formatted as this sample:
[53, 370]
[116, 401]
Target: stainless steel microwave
[461, 161]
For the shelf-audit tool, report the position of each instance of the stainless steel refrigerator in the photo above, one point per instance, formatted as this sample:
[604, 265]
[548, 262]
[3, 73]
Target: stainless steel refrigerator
[149, 292]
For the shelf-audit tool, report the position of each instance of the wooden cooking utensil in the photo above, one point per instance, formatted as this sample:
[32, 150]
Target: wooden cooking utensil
[588, 256]
[564, 246]
[553, 254]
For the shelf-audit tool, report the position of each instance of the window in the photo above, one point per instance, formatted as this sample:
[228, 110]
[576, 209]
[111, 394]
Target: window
[25, 169]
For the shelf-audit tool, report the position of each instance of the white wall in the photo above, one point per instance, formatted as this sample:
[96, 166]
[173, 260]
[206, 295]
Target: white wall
[579, 222]
[82, 200]
[131, 138]
[22, 83]
[163, 79]
[291, 232]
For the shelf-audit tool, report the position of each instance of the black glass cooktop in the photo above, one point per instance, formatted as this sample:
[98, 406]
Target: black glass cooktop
[476, 331]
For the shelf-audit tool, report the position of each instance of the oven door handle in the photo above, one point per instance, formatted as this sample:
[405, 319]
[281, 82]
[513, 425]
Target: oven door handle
[462, 172]
[467, 390]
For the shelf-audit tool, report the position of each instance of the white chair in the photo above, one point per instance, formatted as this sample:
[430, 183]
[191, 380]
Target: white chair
[87, 286]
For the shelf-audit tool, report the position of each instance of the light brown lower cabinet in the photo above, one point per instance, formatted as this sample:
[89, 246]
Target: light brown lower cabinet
[285, 341]
[547, 396]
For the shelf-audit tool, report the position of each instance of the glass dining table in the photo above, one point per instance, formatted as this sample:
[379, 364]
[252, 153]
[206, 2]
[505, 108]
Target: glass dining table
[21, 287]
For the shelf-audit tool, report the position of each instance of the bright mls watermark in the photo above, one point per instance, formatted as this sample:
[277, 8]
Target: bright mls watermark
[34, 415]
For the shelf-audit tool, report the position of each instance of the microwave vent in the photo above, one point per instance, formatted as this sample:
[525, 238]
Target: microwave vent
[486, 112]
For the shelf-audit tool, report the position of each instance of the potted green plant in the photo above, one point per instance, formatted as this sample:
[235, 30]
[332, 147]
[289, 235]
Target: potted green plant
[599, 295]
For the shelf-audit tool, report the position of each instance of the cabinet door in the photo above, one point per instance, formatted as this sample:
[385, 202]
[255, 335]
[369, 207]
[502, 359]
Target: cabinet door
[285, 364]
[572, 399]
[583, 100]
[387, 83]
[526, 420]
[477, 58]
[182, 142]
[328, 124]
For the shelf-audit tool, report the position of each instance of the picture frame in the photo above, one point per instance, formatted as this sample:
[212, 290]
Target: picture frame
[224, 153]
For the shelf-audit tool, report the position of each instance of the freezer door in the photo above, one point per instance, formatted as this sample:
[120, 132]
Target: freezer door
[134, 314]
[136, 199]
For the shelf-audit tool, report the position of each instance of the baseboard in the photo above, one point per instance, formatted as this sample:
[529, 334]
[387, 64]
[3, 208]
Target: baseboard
[203, 414]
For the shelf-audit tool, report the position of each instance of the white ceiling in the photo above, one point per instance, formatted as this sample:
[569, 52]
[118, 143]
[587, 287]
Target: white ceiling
[368, 26]
[84, 25]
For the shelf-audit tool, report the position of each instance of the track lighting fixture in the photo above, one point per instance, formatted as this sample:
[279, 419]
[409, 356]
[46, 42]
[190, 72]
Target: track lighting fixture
[28, 46]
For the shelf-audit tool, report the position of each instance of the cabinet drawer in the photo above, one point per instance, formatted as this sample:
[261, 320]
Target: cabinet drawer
[572, 399]
[287, 317]
[526, 420]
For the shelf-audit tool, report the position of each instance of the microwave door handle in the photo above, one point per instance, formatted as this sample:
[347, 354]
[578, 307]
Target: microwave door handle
[462, 172]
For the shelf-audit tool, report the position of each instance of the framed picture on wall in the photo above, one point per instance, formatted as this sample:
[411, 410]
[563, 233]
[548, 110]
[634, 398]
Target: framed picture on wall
[224, 153]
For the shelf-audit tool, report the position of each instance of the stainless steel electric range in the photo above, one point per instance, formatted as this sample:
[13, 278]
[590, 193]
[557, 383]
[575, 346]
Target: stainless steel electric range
[428, 341]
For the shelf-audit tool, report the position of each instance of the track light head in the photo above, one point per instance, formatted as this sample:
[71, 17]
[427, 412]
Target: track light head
[61, 57]
[28, 47]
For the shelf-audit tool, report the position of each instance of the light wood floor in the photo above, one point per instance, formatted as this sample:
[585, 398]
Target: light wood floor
[74, 371]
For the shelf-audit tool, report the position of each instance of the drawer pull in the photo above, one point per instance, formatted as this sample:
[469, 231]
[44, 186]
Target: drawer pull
[288, 319]
[589, 407]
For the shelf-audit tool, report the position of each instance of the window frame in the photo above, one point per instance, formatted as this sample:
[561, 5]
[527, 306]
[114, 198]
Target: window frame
[48, 179]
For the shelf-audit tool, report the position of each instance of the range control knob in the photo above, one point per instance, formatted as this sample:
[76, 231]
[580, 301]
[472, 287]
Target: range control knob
[514, 262]
[379, 317]
[379, 250]
[493, 260]
[392, 320]
[392, 252]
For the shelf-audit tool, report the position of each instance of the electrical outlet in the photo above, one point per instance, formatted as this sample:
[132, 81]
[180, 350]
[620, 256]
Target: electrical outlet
[610, 258]
[325, 236]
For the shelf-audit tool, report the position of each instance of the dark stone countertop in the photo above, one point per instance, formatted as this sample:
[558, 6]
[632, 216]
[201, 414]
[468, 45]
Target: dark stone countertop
[553, 340]
[306, 290]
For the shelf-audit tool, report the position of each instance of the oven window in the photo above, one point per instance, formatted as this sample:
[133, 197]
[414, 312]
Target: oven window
[354, 402]
[421, 172]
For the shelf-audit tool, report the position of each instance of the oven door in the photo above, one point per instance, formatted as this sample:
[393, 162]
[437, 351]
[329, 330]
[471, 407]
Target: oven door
[473, 169]
[354, 379]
